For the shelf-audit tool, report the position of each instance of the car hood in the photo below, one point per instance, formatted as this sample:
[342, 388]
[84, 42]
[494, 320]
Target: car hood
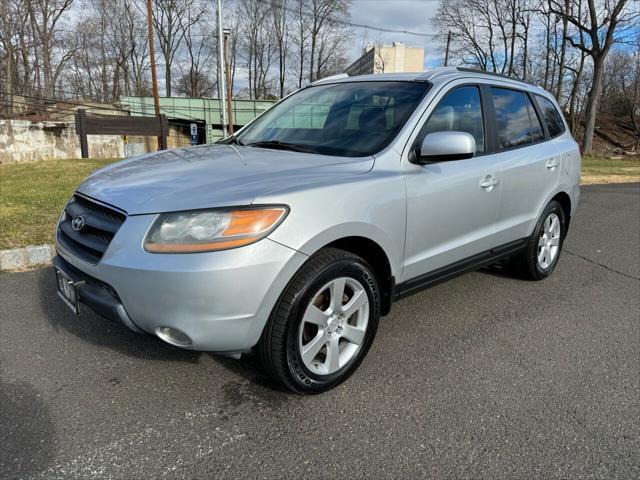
[209, 176]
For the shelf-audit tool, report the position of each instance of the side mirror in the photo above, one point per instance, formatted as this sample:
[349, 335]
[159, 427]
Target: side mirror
[444, 147]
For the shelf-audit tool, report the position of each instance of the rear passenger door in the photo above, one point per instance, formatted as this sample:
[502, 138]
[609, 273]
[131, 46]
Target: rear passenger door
[529, 162]
[556, 130]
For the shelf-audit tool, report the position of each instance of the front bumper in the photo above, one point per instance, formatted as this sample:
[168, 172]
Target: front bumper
[97, 295]
[220, 300]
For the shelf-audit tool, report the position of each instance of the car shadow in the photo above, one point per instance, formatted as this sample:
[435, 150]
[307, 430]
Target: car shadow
[499, 270]
[102, 332]
[26, 431]
[248, 367]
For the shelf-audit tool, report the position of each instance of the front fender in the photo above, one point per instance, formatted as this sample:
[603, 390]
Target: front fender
[371, 206]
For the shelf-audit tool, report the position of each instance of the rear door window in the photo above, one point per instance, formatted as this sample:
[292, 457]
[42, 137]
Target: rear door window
[512, 118]
[551, 115]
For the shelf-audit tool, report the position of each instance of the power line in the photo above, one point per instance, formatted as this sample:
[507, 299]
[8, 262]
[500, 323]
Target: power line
[310, 13]
[353, 24]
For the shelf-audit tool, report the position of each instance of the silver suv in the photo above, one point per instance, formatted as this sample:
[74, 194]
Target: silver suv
[295, 235]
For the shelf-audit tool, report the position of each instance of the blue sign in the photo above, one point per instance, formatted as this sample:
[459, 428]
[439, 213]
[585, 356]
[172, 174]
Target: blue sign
[194, 134]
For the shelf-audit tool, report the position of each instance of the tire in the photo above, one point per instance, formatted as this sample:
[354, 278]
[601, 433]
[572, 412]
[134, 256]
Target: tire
[531, 263]
[307, 318]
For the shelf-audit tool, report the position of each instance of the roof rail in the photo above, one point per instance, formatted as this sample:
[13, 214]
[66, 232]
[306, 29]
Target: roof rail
[431, 74]
[493, 74]
[330, 78]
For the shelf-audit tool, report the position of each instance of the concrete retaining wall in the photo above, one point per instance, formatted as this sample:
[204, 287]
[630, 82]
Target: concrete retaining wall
[25, 141]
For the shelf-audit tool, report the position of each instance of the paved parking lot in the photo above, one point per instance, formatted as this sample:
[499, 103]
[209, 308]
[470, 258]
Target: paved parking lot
[484, 376]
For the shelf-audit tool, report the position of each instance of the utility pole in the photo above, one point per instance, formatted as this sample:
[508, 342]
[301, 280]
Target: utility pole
[221, 74]
[9, 102]
[227, 69]
[446, 51]
[154, 78]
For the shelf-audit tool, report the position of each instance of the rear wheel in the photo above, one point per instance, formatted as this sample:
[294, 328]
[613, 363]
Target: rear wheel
[540, 256]
[324, 323]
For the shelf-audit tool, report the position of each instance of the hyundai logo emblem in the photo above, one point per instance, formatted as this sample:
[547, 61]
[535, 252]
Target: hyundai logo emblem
[77, 223]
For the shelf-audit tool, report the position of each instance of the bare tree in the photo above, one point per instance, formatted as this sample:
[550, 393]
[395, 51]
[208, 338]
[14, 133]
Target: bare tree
[623, 88]
[15, 42]
[324, 15]
[563, 47]
[302, 26]
[201, 48]
[45, 17]
[599, 24]
[485, 32]
[171, 20]
[253, 14]
[138, 62]
[280, 30]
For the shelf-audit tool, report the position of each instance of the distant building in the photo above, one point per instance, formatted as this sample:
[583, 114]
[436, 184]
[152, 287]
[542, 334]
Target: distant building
[396, 57]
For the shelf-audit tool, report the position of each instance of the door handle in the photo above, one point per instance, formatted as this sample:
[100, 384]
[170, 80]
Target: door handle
[489, 182]
[552, 163]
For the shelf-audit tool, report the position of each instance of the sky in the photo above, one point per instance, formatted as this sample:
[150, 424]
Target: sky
[411, 15]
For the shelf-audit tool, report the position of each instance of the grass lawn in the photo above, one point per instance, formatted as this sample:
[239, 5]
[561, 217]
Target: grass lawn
[610, 170]
[32, 195]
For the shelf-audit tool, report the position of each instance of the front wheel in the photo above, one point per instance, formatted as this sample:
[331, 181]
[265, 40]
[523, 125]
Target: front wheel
[539, 258]
[324, 323]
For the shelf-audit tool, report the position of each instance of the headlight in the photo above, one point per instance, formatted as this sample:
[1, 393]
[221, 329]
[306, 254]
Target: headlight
[207, 230]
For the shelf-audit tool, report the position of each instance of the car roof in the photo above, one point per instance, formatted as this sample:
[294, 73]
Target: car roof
[433, 75]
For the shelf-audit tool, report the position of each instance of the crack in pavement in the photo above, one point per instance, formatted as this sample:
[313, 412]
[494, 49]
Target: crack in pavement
[601, 265]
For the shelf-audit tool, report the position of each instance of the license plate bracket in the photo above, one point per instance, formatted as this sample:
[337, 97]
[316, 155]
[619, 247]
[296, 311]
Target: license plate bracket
[68, 290]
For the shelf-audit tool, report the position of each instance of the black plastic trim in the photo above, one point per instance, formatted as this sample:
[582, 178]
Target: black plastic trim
[443, 274]
[428, 160]
[101, 223]
[95, 294]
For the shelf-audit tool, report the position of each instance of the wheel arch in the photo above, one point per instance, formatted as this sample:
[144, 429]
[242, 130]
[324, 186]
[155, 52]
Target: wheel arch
[377, 258]
[561, 196]
[564, 200]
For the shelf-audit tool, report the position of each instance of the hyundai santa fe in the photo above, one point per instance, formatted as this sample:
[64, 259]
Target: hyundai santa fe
[295, 235]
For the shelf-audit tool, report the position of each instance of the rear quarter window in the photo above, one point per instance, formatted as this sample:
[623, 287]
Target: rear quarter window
[552, 117]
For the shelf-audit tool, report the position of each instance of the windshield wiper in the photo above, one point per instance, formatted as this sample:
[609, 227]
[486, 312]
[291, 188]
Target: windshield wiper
[278, 145]
[232, 140]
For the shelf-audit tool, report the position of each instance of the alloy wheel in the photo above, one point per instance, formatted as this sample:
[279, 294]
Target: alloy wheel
[549, 241]
[334, 326]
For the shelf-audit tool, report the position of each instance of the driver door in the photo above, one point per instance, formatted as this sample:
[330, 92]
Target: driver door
[452, 206]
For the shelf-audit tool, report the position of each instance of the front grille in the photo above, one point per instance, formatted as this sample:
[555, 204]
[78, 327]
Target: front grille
[100, 225]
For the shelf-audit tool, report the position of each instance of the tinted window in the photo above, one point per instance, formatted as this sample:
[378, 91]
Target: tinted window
[346, 119]
[459, 111]
[512, 118]
[537, 133]
[551, 116]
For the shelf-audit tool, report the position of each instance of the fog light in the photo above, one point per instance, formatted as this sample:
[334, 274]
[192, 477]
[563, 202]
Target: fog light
[173, 336]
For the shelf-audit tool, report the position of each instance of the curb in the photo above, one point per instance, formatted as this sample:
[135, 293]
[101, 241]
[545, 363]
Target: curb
[26, 257]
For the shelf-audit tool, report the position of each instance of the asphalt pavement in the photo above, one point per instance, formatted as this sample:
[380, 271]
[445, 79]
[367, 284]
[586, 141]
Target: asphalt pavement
[485, 376]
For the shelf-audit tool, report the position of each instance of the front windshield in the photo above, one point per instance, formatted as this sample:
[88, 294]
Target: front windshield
[346, 119]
